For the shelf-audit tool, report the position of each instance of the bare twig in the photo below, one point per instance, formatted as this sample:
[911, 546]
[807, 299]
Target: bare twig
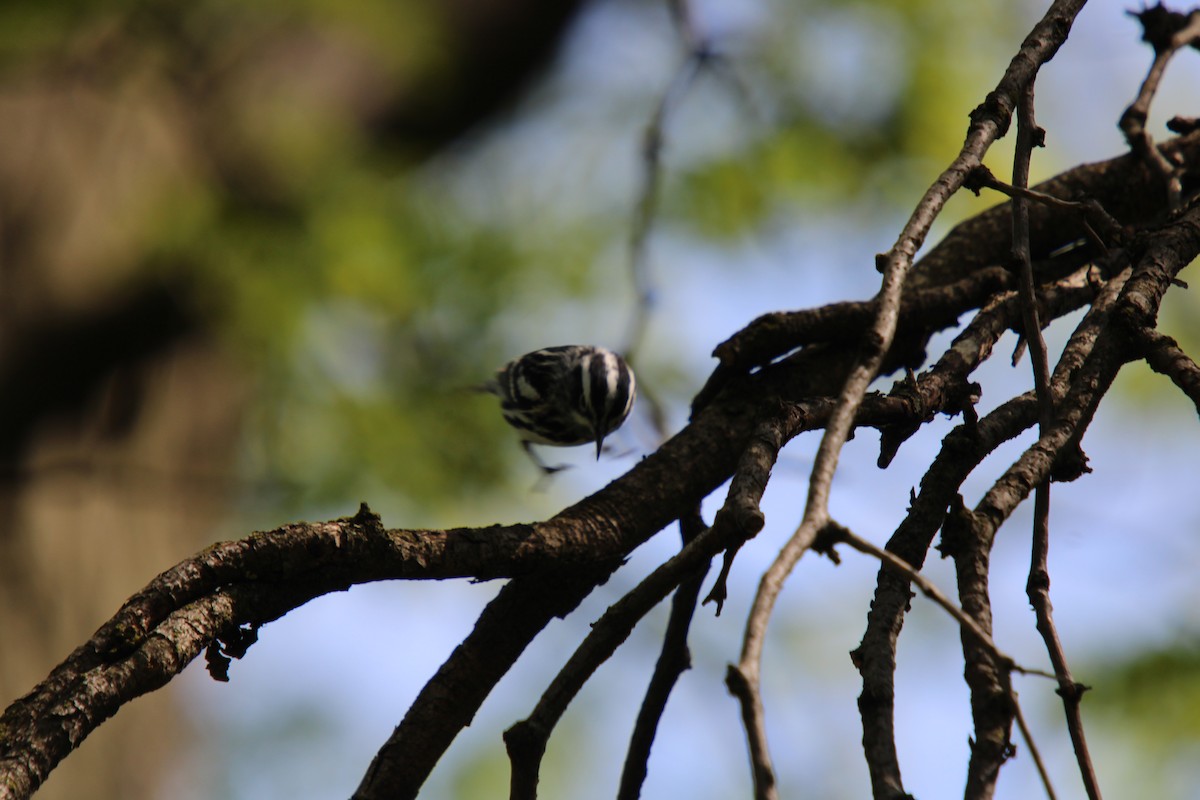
[894, 562]
[1029, 135]
[840, 533]
[988, 122]
[945, 387]
[643, 219]
[526, 740]
[974, 248]
[1090, 212]
[699, 55]
[961, 452]
[738, 520]
[741, 511]
[1167, 32]
[1036, 754]
[1171, 248]
[674, 659]
[1167, 252]
[875, 658]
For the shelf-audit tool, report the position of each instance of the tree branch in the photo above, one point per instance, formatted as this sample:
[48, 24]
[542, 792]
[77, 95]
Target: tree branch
[1029, 135]
[1165, 357]
[244, 584]
[673, 661]
[992, 709]
[1167, 32]
[988, 122]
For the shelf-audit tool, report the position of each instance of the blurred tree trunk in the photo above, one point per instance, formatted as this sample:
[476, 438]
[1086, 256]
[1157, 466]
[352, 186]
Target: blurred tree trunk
[118, 418]
[119, 410]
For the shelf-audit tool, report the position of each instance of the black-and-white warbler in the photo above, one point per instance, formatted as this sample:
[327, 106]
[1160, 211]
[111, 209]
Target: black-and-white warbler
[564, 396]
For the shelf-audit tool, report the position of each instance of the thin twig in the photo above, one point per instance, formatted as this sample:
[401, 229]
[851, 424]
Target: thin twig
[1092, 214]
[699, 54]
[875, 657]
[1167, 32]
[643, 217]
[674, 659]
[945, 388]
[840, 533]
[1036, 754]
[738, 520]
[1029, 135]
[961, 452]
[894, 562]
[1170, 249]
[741, 511]
[526, 740]
[988, 122]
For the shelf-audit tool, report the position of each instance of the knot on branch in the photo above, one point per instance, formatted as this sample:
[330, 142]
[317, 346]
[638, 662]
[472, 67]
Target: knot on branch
[1072, 691]
[892, 436]
[119, 637]
[958, 529]
[1183, 125]
[1070, 464]
[367, 518]
[232, 642]
[979, 178]
[526, 744]
[924, 397]
[1160, 26]
[997, 108]
[823, 543]
[748, 520]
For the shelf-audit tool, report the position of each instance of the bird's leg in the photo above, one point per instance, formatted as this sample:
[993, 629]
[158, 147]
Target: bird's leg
[542, 465]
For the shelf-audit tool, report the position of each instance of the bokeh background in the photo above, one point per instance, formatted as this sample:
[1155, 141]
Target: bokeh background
[251, 255]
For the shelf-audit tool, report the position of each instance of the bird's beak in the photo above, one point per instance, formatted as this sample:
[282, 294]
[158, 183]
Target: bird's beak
[599, 444]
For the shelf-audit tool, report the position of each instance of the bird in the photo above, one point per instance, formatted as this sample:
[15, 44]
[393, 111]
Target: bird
[564, 396]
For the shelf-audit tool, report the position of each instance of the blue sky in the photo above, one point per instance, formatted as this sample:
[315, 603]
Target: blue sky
[306, 710]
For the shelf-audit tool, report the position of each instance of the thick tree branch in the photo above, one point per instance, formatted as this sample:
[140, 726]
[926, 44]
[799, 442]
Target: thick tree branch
[244, 584]
[554, 565]
[961, 265]
[990, 682]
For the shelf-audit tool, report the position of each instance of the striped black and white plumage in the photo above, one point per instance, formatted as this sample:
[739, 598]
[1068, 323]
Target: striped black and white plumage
[565, 396]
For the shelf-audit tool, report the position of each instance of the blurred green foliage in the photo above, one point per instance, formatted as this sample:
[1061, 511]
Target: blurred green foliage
[1157, 693]
[1148, 707]
[364, 281]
